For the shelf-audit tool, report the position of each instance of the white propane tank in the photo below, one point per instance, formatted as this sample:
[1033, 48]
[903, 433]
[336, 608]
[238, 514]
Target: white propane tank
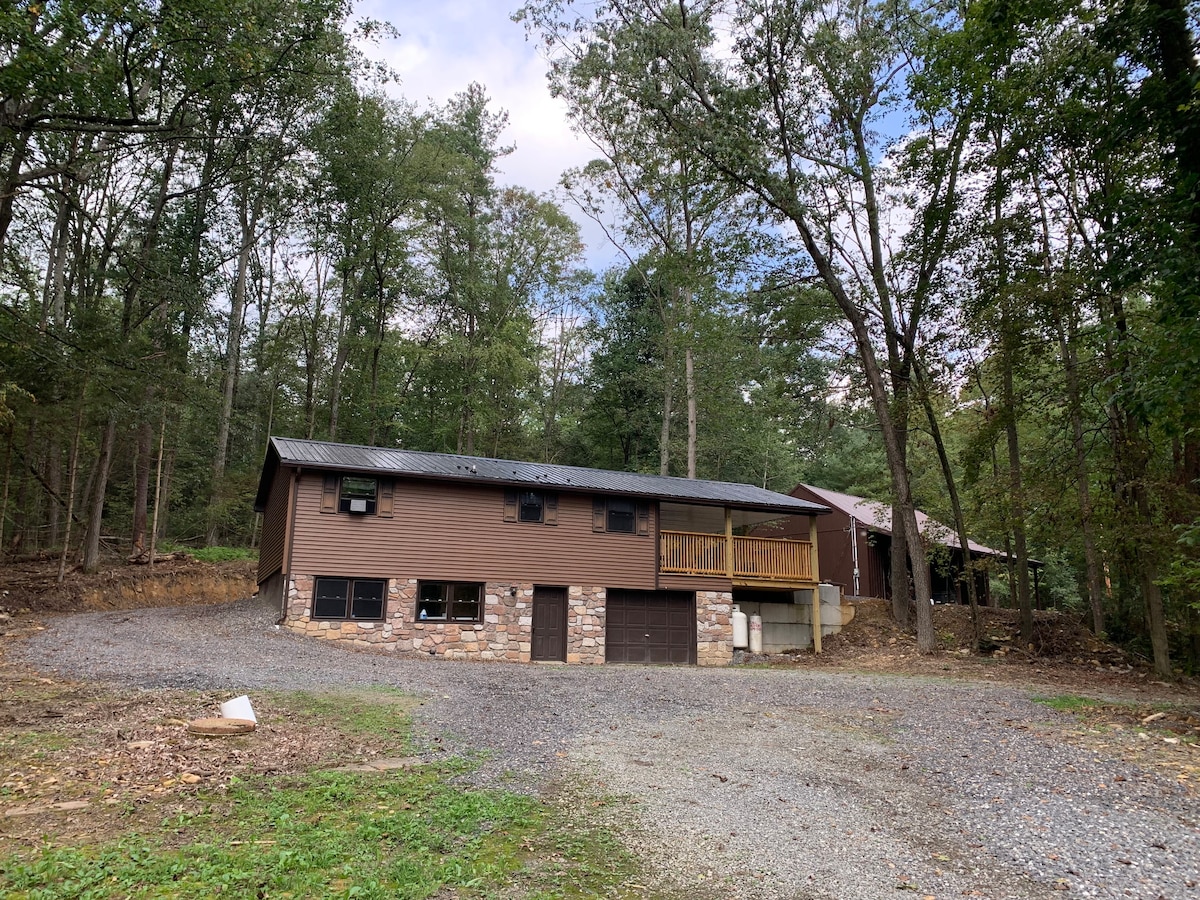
[740, 638]
[756, 633]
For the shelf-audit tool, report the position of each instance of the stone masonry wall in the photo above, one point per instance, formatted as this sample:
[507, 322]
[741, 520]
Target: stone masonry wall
[506, 632]
[585, 624]
[714, 628]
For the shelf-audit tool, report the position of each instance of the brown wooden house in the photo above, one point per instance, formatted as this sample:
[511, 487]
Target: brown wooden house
[856, 544]
[467, 557]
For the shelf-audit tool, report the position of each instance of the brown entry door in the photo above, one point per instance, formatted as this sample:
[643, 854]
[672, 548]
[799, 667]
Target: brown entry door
[549, 624]
[650, 627]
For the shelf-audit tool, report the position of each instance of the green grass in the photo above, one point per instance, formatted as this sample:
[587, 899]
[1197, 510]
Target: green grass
[1066, 702]
[381, 712]
[404, 835]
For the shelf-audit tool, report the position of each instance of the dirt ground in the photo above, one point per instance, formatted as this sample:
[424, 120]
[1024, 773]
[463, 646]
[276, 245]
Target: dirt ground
[80, 761]
[1064, 655]
[31, 586]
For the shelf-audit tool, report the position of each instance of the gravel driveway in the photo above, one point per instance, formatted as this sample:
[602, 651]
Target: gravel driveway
[745, 783]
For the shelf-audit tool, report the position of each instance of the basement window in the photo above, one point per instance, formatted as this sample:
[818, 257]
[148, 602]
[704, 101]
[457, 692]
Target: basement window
[449, 601]
[349, 598]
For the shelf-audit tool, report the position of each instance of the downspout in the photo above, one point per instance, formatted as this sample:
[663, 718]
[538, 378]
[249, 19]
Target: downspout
[854, 551]
[286, 575]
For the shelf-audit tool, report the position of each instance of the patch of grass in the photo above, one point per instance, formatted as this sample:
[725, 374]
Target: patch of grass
[381, 712]
[37, 744]
[407, 834]
[1067, 702]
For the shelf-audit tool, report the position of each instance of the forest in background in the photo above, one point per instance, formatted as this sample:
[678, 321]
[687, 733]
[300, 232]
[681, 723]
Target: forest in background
[940, 255]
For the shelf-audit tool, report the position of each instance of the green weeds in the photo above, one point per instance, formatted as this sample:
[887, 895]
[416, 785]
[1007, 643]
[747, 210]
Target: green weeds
[378, 712]
[405, 834]
[1067, 702]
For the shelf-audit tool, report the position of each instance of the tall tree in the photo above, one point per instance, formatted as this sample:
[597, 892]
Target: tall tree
[790, 117]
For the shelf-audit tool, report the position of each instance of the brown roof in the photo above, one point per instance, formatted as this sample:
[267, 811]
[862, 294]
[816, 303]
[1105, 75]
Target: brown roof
[877, 516]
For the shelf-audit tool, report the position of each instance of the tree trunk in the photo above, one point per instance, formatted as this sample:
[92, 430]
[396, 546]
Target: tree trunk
[54, 290]
[141, 485]
[233, 353]
[12, 180]
[339, 358]
[91, 540]
[1156, 619]
[689, 362]
[1132, 453]
[162, 497]
[664, 437]
[21, 512]
[1152, 594]
[158, 485]
[893, 427]
[901, 595]
[1091, 554]
[1017, 507]
[53, 466]
[8, 453]
[960, 524]
[74, 471]
[689, 375]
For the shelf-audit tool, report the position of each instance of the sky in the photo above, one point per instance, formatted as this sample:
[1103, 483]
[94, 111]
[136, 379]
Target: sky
[445, 45]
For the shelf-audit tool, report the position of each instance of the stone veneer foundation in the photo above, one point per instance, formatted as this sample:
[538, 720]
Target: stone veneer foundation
[714, 628]
[506, 632]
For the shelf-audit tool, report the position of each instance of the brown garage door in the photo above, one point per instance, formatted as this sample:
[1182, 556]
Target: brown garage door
[650, 627]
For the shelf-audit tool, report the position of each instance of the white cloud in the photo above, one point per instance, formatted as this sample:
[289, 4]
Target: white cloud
[445, 45]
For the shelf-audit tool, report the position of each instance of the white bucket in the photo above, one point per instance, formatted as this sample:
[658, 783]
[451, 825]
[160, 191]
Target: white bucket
[238, 708]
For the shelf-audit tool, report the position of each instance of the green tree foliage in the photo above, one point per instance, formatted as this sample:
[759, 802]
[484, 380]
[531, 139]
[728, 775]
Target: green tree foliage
[891, 250]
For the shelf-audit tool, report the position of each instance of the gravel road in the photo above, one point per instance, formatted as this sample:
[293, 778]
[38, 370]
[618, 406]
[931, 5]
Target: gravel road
[745, 783]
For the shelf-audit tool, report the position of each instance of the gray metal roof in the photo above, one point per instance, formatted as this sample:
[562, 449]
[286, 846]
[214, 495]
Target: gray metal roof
[452, 467]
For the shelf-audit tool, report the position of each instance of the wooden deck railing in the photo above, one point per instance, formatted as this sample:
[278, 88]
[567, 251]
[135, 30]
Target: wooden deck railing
[766, 559]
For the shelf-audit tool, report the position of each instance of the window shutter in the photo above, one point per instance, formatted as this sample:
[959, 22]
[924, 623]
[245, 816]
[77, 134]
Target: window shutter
[510, 505]
[550, 510]
[387, 491]
[329, 494]
[643, 518]
[598, 523]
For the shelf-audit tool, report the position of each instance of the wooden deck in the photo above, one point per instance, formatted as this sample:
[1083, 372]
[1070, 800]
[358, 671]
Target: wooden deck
[744, 560]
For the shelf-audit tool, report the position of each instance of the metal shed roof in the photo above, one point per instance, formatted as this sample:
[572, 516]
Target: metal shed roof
[452, 467]
[877, 516]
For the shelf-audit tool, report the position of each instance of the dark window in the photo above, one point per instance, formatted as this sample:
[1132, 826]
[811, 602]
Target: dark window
[348, 598]
[358, 495]
[449, 601]
[531, 506]
[621, 516]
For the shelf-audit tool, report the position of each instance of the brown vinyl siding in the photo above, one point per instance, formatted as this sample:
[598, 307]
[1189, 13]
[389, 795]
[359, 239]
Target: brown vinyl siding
[836, 556]
[458, 533]
[275, 522]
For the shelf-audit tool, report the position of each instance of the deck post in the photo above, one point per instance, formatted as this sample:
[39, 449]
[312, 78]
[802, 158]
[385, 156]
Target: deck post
[816, 574]
[729, 542]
